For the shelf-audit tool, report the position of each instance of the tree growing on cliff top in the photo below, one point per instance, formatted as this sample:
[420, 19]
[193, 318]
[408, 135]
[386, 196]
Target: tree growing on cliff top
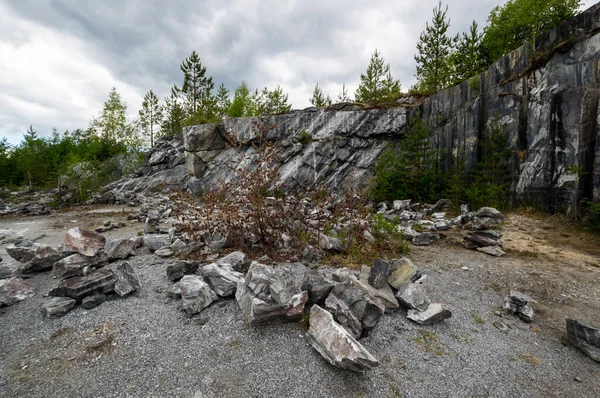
[241, 98]
[196, 90]
[151, 115]
[112, 124]
[173, 115]
[343, 95]
[466, 60]
[519, 21]
[377, 84]
[433, 53]
[319, 99]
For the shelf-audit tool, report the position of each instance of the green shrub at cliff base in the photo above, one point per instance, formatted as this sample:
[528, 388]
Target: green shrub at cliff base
[590, 212]
[409, 170]
[491, 177]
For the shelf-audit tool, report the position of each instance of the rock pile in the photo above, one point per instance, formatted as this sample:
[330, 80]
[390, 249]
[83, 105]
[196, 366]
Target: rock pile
[517, 303]
[484, 237]
[346, 305]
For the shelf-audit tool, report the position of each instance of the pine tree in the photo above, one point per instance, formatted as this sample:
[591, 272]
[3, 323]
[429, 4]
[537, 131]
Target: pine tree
[223, 103]
[318, 99]
[434, 48]
[268, 102]
[173, 115]
[377, 85]
[240, 104]
[151, 115]
[343, 95]
[466, 60]
[196, 90]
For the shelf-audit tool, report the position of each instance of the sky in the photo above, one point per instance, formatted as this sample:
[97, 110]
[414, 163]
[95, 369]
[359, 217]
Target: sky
[60, 58]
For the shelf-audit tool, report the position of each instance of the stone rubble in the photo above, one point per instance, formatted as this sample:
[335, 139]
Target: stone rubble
[517, 303]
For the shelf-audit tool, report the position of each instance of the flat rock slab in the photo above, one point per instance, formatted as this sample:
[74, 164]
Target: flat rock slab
[178, 270]
[379, 273]
[13, 290]
[585, 338]
[55, 307]
[78, 287]
[36, 258]
[336, 345]
[156, 242]
[77, 265]
[401, 271]
[383, 296]
[83, 241]
[495, 251]
[93, 301]
[120, 249]
[433, 314]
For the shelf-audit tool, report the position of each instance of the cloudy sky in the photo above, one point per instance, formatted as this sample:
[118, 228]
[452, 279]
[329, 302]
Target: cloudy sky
[60, 58]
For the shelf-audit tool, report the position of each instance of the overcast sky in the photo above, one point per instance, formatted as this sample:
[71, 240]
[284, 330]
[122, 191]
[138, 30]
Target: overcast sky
[60, 58]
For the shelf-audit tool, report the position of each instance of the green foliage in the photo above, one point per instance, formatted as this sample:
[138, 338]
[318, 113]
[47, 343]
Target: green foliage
[173, 115]
[268, 102]
[196, 91]
[491, 177]
[466, 60]
[591, 214]
[377, 84]
[457, 180]
[387, 236]
[112, 125]
[474, 83]
[318, 99]
[434, 69]
[151, 115]
[520, 21]
[304, 138]
[410, 170]
[223, 103]
[239, 105]
[343, 95]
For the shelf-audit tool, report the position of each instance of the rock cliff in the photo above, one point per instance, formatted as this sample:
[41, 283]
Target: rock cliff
[545, 94]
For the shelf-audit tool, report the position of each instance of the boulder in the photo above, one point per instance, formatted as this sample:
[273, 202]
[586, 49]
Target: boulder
[353, 309]
[95, 300]
[413, 296]
[55, 307]
[127, 281]
[329, 243]
[13, 290]
[335, 344]
[237, 260]
[78, 287]
[425, 239]
[484, 223]
[379, 273]
[473, 241]
[36, 257]
[178, 270]
[6, 272]
[401, 271]
[434, 313]
[156, 242]
[77, 264]
[400, 205]
[585, 338]
[85, 242]
[196, 295]
[222, 278]
[120, 249]
[318, 286]
[489, 212]
[384, 296]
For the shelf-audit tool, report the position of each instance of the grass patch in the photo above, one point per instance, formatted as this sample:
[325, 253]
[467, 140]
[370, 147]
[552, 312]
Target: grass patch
[530, 359]
[429, 341]
[477, 318]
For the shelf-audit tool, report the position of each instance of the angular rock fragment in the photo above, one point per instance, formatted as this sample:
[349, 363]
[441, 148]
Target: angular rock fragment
[425, 239]
[120, 249]
[473, 241]
[6, 272]
[525, 313]
[401, 270]
[179, 247]
[335, 344]
[492, 251]
[400, 205]
[13, 290]
[36, 258]
[484, 223]
[585, 338]
[384, 296]
[196, 294]
[353, 309]
[178, 270]
[490, 234]
[489, 212]
[237, 260]
[85, 242]
[413, 296]
[434, 313]
[55, 307]
[519, 298]
[165, 252]
[222, 278]
[77, 265]
[127, 281]
[329, 243]
[95, 300]
[174, 291]
[379, 273]
[156, 242]
[78, 287]
[318, 286]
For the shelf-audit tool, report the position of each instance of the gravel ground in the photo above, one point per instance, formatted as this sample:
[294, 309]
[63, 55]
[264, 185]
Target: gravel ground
[144, 346]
